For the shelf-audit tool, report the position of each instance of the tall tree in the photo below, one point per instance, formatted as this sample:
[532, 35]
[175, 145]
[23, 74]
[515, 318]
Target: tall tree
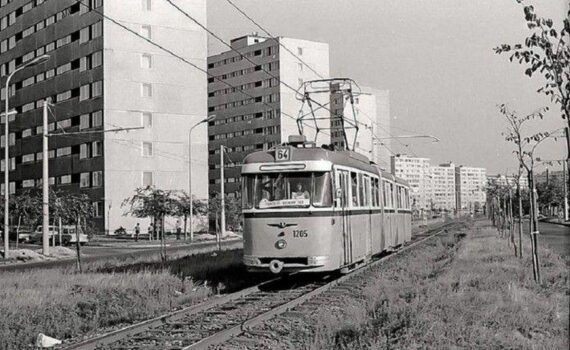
[182, 203]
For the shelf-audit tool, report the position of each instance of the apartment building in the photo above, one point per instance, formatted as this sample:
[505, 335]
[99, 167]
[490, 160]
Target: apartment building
[509, 180]
[99, 77]
[255, 104]
[417, 172]
[443, 182]
[470, 183]
[371, 110]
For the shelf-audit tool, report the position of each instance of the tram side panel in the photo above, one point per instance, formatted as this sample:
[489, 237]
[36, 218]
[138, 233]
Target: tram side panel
[377, 233]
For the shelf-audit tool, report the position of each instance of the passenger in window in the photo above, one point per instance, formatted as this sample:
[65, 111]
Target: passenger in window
[300, 193]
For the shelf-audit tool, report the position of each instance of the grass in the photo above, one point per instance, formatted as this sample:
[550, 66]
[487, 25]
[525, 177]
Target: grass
[64, 304]
[454, 293]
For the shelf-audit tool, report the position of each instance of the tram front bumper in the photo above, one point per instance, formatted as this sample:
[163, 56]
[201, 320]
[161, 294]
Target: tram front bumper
[289, 263]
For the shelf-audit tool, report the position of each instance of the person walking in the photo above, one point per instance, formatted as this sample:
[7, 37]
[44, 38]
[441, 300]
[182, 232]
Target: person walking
[178, 229]
[150, 231]
[137, 232]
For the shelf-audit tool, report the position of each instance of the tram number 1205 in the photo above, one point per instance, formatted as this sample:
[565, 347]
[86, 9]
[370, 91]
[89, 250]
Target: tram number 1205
[300, 233]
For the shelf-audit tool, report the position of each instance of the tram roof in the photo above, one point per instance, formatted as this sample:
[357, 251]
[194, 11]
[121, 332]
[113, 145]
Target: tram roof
[338, 157]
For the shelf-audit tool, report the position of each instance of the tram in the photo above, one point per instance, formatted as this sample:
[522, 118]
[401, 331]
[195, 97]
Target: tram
[316, 209]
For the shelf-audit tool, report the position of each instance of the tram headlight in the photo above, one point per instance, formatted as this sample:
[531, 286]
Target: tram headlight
[280, 244]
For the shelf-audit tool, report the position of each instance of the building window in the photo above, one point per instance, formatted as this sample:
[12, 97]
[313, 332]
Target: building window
[96, 119]
[26, 133]
[96, 30]
[147, 119]
[146, 178]
[96, 59]
[96, 89]
[62, 152]
[65, 179]
[28, 183]
[84, 121]
[97, 149]
[98, 209]
[146, 61]
[300, 65]
[28, 158]
[97, 178]
[147, 149]
[147, 5]
[300, 51]
[84, 180]
[84, 92]
[146, 31]
[84, 150]
[146, 90]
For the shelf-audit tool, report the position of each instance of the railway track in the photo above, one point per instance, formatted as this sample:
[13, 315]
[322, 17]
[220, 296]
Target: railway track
[221, 319]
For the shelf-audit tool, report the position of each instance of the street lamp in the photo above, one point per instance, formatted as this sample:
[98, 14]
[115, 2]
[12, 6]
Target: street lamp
[35, 61]
[205, 120]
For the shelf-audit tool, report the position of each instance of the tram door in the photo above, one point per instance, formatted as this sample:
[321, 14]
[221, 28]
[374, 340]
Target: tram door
[343, 181]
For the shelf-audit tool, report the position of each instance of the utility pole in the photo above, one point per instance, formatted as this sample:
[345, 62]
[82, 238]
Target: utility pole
[45, 181]
[565, 191]
[222, 199]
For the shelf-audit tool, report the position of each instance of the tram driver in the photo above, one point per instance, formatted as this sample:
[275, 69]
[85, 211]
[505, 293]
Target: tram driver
[299, 193]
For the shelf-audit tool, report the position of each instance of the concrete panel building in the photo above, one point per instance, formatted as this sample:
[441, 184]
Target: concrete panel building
[255, 110]
[471, 187]
[417, 172]
[443, 181]
[509, 180]
[102, 77]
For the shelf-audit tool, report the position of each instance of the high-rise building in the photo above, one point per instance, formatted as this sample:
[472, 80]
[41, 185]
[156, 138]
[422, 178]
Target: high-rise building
[443, 182]
[417, 172]
[255, 104]
[101, 77]
[470, 183]
[371, 109]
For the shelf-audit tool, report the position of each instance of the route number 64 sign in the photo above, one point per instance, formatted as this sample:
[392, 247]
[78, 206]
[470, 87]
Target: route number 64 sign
[282, 154]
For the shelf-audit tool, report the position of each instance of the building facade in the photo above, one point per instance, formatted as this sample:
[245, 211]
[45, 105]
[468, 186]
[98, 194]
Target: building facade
[254, 104]
[443, 181]
[101, 77]
[417, 172]
[471, 187]
[509, 180]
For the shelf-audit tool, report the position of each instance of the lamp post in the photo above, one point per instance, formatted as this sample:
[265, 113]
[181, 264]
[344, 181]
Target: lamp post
[35, 61]
[205, 120]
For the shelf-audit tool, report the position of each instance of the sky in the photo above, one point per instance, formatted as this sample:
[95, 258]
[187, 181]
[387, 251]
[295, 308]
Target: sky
[436, 59]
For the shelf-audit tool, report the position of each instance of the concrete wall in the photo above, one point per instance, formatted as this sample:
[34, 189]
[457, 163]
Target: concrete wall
[178, 101]
[316, 55]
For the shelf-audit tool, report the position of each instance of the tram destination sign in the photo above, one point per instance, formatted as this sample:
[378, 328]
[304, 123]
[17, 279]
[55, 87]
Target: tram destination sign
[282, 153]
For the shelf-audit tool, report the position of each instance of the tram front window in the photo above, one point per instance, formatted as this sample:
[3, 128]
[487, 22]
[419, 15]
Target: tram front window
[288, 190]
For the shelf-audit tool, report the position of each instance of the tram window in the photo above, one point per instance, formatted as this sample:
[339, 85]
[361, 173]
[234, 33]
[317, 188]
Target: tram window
[374, 192]
[354, 188]
[366, 191]
[384, 194]
[322, 190]
[361, 191]
[248, 187]
[391, 196]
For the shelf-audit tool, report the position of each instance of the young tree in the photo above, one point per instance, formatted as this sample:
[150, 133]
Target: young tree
[546, 51]
[525, 147]
[26, 207]
[150, 202]
[76, 208]
[183, 206]
[232, 207]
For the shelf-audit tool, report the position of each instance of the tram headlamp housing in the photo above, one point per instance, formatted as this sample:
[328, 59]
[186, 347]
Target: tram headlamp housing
[280, 244]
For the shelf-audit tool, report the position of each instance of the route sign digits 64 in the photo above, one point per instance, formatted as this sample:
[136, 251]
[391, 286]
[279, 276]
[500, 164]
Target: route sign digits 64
[282, 154]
